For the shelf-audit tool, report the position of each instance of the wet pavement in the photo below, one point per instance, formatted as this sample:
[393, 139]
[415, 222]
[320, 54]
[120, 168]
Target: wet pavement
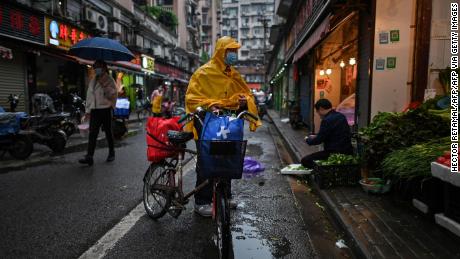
[60, 210]
[266, 224]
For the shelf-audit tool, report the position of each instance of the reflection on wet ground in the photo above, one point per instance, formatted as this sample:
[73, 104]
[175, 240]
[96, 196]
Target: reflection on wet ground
[248, 241]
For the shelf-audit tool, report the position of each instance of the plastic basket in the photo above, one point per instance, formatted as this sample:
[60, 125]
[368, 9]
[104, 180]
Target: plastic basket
[379, 188]
[220, 158]
[83, 129]
[452, 201]
[336, 175]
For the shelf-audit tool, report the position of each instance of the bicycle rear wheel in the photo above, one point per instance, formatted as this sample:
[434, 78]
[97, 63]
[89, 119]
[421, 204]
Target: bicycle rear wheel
[222, 216]
[156, 196]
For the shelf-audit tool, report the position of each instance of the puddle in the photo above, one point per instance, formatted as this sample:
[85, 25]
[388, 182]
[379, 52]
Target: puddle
[249, 175]
[249, 243]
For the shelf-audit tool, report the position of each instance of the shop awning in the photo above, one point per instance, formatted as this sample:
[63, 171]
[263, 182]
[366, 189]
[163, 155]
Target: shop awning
[313, 39]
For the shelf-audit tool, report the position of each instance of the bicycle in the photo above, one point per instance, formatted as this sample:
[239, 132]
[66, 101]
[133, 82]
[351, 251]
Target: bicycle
[163, 181]
[143, 109]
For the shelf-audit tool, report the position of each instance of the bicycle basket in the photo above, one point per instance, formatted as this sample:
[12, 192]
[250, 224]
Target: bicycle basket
[220, 158]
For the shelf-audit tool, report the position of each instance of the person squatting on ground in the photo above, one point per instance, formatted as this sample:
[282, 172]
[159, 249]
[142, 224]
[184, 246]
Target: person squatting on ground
[334, 133]
[101, 98]
[214, 86]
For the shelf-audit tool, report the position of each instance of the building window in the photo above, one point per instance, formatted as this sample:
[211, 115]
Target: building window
[244, 53]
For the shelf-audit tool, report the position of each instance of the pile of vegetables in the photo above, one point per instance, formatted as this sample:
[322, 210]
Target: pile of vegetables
[389, 132]
[338, 159]
[415, 160]
[444, 159]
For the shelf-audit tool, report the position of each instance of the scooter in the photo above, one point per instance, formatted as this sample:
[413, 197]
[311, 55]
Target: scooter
[43, 107]
[13, 99]
[46, 130]
[77, 107]
[262, 109]
[12, 139]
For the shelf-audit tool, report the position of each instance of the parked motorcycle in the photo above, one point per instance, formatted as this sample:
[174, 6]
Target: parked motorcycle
[76, 108]
[12, 139]
[13, 99]
[295, 118]
[43, 107]
[46, 130]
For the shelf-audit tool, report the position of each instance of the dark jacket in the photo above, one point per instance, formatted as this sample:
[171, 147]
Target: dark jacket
[335, 133]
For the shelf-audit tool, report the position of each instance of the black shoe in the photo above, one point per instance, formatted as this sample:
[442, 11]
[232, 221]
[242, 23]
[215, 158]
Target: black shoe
[86, 160]
[110, 158]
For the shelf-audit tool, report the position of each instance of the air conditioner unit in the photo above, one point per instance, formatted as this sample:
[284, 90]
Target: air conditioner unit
[90, 15]
[116, 28]
[101, 23]
[116, 13]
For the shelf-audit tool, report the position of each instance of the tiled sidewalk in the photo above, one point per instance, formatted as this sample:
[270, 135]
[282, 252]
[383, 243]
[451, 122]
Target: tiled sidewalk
[380, 226]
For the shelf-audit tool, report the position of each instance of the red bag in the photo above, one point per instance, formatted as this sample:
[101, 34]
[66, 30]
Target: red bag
[158, 146]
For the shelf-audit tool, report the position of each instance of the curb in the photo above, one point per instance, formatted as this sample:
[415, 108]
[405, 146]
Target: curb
[45, 156]
[358, 248]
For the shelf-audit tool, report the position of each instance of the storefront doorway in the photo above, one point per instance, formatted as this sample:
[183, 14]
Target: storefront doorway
[336, 69]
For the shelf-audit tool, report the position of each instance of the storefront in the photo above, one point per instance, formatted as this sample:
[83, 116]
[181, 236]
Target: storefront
[20, 32]
[54, 71]
[335, 69]
[175, 82]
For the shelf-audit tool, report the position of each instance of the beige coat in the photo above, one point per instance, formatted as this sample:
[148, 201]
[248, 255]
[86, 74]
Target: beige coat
[99, 97]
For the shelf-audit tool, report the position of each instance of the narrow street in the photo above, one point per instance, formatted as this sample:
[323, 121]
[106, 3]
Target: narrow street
[64, 210]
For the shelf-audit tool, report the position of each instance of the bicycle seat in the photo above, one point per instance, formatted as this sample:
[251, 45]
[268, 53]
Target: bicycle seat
[179, 137]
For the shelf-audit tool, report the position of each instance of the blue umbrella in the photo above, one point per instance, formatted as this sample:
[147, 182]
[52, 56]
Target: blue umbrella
[98, 48]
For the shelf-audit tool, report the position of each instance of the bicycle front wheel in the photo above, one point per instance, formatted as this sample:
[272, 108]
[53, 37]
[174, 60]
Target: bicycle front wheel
[222, 216]
[156, 196]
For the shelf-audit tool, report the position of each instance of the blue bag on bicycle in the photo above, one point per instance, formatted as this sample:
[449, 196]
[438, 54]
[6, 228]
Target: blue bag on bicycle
[221, 147]
[222, 128]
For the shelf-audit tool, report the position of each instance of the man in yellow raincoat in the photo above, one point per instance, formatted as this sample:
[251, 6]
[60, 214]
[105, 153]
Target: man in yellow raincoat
[218, 86]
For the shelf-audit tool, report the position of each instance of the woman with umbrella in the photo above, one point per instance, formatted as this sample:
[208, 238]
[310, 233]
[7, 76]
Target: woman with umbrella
[102, 91]
[101, 97]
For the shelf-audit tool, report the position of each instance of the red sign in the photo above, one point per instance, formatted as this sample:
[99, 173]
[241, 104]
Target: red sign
[62, 35]
[21, 24]
[170, 71]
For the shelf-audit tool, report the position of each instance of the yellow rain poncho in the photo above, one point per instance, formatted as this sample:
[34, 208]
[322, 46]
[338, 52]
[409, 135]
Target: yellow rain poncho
[212, 84]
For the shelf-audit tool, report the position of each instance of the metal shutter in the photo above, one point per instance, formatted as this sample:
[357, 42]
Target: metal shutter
[12, 80]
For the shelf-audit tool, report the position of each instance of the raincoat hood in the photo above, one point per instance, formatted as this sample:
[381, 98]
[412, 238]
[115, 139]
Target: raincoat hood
[215, 83]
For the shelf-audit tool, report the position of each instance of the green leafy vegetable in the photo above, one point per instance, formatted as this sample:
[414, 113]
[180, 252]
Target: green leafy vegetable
[339, 159]
[415, 160]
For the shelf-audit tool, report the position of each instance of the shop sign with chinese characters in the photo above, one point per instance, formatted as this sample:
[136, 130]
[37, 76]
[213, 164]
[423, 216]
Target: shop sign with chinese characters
[21, 24]
[148, 64]
[62, 35]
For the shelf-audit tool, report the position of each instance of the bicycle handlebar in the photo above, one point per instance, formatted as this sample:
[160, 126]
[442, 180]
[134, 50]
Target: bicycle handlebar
[188, 117]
